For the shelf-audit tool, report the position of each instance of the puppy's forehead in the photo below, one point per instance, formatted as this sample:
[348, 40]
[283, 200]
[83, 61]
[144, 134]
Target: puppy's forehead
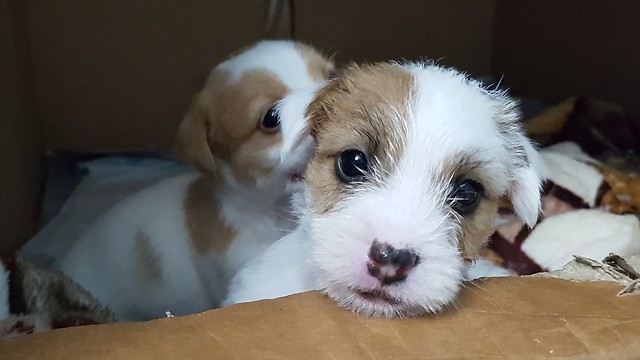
[366, 107]
[453, 112]
[439, 103]
[281, 59]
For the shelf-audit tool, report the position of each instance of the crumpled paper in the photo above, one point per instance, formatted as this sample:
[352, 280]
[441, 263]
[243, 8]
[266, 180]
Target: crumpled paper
[624, 271]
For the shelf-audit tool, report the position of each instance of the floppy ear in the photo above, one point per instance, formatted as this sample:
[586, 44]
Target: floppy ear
[192, 140]
[524, 190]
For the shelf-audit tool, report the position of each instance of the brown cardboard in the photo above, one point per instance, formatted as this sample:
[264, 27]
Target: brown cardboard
[119, 75]
[458, 32]
[501, 318]
[550, 50]
[20, 172]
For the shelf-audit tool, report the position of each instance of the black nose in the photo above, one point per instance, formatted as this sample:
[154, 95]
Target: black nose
[388, 264]
[404, 258]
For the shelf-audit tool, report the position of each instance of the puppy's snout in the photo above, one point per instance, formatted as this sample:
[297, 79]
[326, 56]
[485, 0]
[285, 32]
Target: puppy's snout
[388, 264]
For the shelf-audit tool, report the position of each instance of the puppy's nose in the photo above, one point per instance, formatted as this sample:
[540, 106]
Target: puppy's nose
[388, 264]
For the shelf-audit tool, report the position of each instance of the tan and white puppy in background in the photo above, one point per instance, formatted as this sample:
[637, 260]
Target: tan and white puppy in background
[176, 245]
[403, 188]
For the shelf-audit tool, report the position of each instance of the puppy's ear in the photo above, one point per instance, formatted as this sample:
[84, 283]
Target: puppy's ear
[526, 183]
[192, 143]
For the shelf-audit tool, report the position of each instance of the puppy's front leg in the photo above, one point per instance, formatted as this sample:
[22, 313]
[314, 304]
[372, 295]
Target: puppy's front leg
[284, 269]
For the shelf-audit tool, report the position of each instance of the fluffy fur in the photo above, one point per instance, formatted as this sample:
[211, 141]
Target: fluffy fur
[423, 128]
[176, 245]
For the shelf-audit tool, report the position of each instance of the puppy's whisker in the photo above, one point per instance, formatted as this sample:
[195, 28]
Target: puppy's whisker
[285, 231]
[283, 216]
[480, 295]
[459, 306]
[499, 82]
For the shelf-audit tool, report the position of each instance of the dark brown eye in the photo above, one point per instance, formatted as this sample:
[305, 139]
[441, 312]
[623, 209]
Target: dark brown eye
[271, 120]
[352, 166]
[465, 197]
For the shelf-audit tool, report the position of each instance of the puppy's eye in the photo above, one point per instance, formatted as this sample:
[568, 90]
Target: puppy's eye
[466, 196]
[352, 165]
[332, 74]
[271, 120]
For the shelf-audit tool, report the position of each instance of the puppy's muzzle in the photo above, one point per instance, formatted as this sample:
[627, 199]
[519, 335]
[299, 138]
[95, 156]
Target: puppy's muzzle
[390, 265]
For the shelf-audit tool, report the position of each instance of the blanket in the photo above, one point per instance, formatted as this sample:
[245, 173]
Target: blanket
[35, 298]
[591, 195]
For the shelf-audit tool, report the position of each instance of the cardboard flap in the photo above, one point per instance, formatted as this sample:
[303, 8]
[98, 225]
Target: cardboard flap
[500, 318]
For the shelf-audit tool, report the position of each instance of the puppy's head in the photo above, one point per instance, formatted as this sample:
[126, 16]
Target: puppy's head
[410, 164]
[233, 127]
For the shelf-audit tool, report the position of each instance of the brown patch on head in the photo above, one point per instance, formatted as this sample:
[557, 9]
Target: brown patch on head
[456, 166]
[224, 123]
[467, 166]
[475, 228]
[319, 67]
[364, 109]
[149, 263]
[207, 231]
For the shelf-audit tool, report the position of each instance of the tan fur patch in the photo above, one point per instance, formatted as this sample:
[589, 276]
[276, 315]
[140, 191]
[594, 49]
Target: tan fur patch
[477, 227]
[225, 122]
[360, 110]
[466, 166]
[149, 263]
[207, 231]
[456, 166]
[318, 67]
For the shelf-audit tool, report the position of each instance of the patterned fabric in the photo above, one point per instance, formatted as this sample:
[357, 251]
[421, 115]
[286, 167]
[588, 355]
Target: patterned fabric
[41, 299]
[596, 171]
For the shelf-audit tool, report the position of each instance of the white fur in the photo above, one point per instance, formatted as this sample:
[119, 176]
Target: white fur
[450, 116]
[525, 189]
[287, 266]
[104, 260]
[287, 69]
[292, 107]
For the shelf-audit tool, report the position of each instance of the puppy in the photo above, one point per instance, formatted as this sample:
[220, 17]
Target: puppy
[176, 245]
[403, 188]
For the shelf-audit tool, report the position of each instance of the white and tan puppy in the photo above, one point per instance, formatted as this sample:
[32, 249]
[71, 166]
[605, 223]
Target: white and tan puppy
[176, 245]
[410, 164]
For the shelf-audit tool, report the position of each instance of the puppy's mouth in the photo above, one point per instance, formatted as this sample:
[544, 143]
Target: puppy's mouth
[376, 297]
